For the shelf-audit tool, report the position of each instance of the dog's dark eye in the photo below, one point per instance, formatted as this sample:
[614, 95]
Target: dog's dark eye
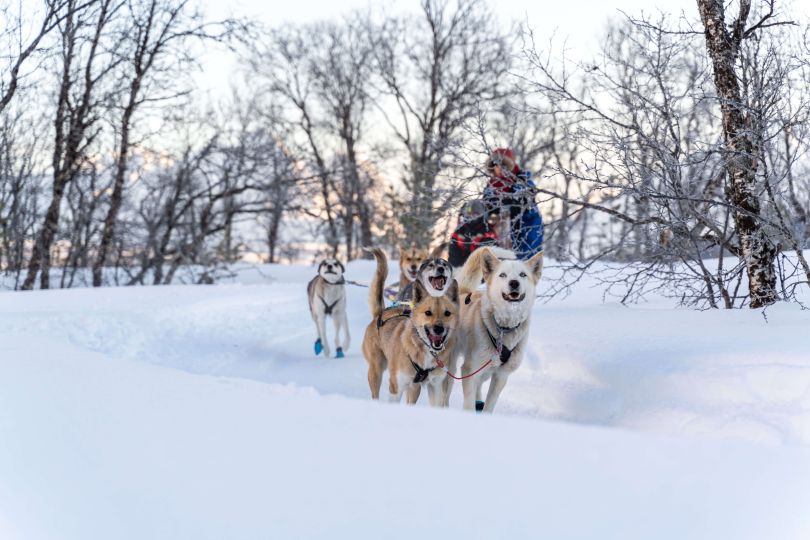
[447, 313]
[502, 275]
[429, 313]
[523, 274]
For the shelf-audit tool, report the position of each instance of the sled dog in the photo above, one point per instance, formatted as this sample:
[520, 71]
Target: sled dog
[327, 297]
[409, 261]
[494, 322]
[435, 275]
[410, 346]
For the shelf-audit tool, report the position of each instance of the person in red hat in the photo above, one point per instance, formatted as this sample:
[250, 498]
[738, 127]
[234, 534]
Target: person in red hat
[510, 194]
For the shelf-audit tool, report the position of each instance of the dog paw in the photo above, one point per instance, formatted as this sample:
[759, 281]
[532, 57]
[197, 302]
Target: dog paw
[318, 347]
[479, 406]
[339, 353]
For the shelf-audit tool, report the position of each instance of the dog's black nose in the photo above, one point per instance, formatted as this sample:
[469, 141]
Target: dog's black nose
[440, 270]
[413, 268]
[514, 284]
[438, 329]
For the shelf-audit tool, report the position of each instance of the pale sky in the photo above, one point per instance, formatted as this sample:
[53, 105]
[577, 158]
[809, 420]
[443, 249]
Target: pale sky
[578, 21]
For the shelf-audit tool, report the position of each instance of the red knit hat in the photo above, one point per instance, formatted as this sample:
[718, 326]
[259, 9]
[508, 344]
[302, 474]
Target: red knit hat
[505, 158]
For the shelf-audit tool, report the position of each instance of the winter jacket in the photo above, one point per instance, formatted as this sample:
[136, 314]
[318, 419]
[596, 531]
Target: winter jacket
[516, 193]
[468, 237]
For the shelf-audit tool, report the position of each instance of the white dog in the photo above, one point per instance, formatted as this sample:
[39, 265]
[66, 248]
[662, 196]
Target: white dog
[495, 322]
[327, 297]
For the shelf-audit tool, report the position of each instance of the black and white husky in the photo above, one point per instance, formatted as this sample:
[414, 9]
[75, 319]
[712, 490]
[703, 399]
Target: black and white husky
[327, 297]
[435, 275]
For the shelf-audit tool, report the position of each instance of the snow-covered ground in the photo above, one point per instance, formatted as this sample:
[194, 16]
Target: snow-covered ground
[200, 412]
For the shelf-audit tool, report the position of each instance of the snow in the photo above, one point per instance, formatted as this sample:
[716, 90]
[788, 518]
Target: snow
[200, 412]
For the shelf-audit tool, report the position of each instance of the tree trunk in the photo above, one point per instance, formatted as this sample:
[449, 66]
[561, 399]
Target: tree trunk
[116, 198]
[41, 255]
[740, 158]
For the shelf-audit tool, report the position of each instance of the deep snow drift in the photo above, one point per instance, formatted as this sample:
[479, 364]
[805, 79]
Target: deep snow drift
[200, 412]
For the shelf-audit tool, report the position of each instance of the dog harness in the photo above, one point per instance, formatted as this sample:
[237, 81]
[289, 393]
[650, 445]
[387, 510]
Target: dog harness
[421, 373]
[504, 352]
[327, 308]
[406, 312]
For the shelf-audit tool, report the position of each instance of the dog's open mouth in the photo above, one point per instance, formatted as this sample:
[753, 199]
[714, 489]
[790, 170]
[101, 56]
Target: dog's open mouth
[410, 275]
[436, 340]
[513, 296]
[438, 282]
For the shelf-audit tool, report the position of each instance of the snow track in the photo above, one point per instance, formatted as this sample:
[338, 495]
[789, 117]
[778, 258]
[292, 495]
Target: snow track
[712, 373]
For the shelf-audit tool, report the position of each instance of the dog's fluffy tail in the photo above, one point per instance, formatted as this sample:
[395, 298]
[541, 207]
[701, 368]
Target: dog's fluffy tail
[376, 289]
[473, 270]
[437, 252]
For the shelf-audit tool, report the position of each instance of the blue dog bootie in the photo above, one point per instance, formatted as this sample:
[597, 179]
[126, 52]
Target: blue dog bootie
[479, 406]
[318, 346]
[339, 353]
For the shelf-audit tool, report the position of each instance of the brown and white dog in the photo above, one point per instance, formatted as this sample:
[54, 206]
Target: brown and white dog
[327, 297]
[410, 346]
[494, 322]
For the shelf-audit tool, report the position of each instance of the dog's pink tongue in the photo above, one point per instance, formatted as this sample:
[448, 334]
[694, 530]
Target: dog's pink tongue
[436, 341]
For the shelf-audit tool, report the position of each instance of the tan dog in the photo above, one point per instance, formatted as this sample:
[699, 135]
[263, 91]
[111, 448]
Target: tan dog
[410, 259]
[495, 322]
[408, 346]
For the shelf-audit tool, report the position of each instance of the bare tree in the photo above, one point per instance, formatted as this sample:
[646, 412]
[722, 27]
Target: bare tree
[84, 65]
[284, 65]
[653, 161]
[13, 23]
[341, 70]
[439, 70]
[155, 35]
[723, 47]
[21, 184]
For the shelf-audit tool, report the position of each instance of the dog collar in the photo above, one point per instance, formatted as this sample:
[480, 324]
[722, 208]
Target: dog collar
[504, 329]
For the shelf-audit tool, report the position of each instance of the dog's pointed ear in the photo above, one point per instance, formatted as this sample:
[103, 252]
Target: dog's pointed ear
[489, 262]
[419, 292]
[536, 266]
[452, 292]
